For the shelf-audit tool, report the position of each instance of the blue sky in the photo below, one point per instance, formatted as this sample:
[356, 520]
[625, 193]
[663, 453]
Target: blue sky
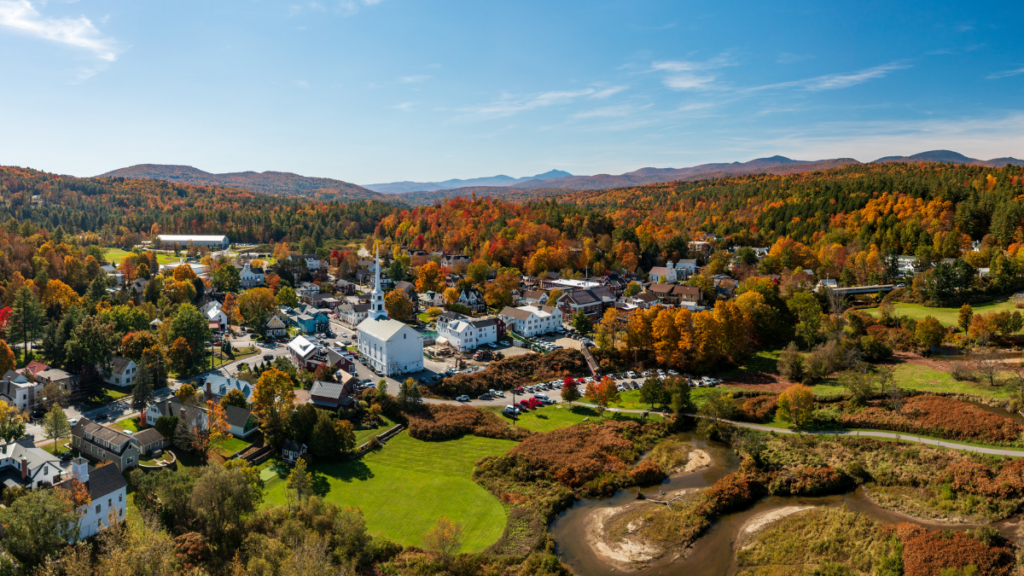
[385, 90]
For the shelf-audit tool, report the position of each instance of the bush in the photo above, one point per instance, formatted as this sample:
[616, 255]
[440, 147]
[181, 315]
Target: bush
[647, 473]
[443, 422]
[758, 409]
[937, 416]
[963, 372]
[806, 481]
[517, 371]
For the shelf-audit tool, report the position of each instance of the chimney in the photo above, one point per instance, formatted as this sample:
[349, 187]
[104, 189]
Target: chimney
[209, 391]
[24, 468]
[80, 470]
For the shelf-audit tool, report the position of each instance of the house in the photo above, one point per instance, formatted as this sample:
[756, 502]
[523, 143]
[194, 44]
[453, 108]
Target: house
[410, 291]
[312, 261]
[473, 299]
[686, 267]
[645, 300]
[276, 328]
[148, 441]
[701, 246]
[322, 301]
[353, 314]
[308, 319]
[676, 295]
[20, 392]
[240, 421]
[68, 382]
[531, 321]
[464, 333]
[311, 355]
[307, 289]
[665, 274]
[114, 273]
[333, 395]
[102, 443]
[452, 260]
[24, 465]
[108, 492]
[591, 302]
[122, 372]
[534, 298]
[215, 387]
[250, 277]
[138, 286]
[219, 242]
[568, 285]
[345, 287]
[291, 451]
[826, 284]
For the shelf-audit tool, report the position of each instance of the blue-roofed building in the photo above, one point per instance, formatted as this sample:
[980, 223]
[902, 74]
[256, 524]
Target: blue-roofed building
[217, 386]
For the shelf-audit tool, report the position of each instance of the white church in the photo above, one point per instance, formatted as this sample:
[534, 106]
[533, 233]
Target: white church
[387, 346]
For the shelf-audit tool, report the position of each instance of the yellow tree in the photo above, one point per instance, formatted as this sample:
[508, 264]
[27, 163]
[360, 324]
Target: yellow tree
[230, 308]
[217, 427]
[272, 401]
[398, 305]
[707, 340]
[451, 295]
[640, 331]
[735, 328]
[666, 338]
[7, 360]
[281, 251]
[607, 329]
[184, 273]
[430, 278]
[58, 295]
[796, 404]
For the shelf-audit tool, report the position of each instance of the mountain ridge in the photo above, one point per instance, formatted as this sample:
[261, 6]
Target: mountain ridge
[407, 186]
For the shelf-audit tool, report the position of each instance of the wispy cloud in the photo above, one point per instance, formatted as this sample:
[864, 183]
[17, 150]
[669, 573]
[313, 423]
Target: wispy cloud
[1005, 74]
[837, 81]
[350, 7]
[620, 111]
[404, 106]
[22, 16]
[416, 79]
[509, 105]
[691, 75]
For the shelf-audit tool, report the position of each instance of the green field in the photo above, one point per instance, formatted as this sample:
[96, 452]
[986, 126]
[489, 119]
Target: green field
[913, 377]
[403, 488]
[129, 425]
[365, 435]
[947, 316]
[232, 446]
[115, 255]
[558, 416]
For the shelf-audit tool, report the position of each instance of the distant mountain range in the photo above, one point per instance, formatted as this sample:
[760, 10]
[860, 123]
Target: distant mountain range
[284, 183]
[548, 183]
[499, 180]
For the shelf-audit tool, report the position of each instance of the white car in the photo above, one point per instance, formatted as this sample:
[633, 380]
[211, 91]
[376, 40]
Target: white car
[72, 421]
[510, 409]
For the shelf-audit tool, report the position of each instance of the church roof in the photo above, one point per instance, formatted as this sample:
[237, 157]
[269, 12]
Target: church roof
[383, 330]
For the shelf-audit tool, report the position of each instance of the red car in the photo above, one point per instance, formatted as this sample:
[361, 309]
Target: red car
[533, 403]
[522, 406]
[520, 390]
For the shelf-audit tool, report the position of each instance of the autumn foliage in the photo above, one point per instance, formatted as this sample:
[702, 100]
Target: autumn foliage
[444, 422]
[941, 417]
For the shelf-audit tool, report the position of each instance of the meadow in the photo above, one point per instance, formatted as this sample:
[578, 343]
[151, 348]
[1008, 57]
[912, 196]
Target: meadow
[947, 316]
[403, 488]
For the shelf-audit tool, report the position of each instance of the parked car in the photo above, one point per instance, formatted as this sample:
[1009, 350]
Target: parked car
[72, 421]
[268, 358]
[102, 418]
[510, 410]
[485, 397]
[462, 398]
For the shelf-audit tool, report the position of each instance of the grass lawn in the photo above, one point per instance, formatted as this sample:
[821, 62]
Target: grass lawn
[232, 446]
[405, 487]
[132, 425]
[164, 457]
[115, 255]
[107, 394]
[914, 377]
[563, 415]
[365, 435]
[947, 316]
[762, 361]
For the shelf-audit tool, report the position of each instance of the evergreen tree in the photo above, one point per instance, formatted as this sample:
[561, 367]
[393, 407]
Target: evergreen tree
[143, 395]
[27, 317]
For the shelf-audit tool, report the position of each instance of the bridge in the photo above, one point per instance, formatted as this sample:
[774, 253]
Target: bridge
[851, 290]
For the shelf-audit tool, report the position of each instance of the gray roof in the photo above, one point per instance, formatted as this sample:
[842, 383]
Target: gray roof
[115, 437]
[237, 416]
[148, 436]
[105, 480]
[327, 390]
[119, 364]
[515, 313]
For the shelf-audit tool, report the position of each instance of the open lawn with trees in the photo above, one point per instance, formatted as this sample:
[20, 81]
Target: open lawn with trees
[562, 415]
[406, 486]
[947, 316]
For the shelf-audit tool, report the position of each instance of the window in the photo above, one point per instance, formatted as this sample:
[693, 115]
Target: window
[119, 497]
[98, 508]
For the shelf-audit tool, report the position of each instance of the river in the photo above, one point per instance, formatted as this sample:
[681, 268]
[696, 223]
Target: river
[713, 554]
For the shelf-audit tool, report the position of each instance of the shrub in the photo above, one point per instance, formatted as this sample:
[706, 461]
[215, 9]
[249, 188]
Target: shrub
[937, 416]
[511, 372]
[928, 554]
[807, 481]
[963, 372]
[646, 473]
[443, 422]
[758, 409]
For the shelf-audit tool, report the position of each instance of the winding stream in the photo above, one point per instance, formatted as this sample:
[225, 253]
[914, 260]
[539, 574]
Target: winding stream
[713, 554]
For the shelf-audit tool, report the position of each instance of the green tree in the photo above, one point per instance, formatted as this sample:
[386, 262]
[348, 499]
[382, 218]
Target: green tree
[796, 405]
[287, 296]
[28, 317]
[300, 480]
[12, 424]
[38, 525]
[804, 305]
[126, 319]
[191, 325]
[301, 423]
[56, 426]
[633, 289]
[143, 393]
[409, 396]
[234, 397]
[396, 272]
[58, 334]
[226, 278]
[930, 332]
[581, 323]
[91, 346]
[652, 391]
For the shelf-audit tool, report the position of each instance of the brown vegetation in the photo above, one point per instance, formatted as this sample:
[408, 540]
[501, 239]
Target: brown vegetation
[941, 417]
[511, 372]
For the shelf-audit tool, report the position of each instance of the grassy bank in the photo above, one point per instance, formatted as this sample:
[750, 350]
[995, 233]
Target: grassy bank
[563, 415]
[406, 486]
[947, 316]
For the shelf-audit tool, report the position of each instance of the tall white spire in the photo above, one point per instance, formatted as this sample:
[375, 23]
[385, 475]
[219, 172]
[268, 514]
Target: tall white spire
[377, 310]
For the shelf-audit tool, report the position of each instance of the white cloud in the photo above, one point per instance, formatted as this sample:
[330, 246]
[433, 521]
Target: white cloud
[788, 58]
[509, 105]
[350, 7]
[837, 81]
[414, 79]
[79, 32]
[1005, 74]
[690, 75]
[608, 91]
[404, 106]
[607, 112]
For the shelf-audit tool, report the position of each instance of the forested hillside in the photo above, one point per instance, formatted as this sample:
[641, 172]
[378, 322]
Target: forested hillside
[267, 182]
[122, 211]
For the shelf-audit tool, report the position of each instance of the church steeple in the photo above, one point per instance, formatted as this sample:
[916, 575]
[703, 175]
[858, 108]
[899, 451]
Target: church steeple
[377, 310]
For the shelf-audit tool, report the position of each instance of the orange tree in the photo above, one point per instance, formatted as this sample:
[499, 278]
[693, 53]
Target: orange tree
[272, 401]
[602, 393]
[796, 405]
[430, 278]
[398, 305]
